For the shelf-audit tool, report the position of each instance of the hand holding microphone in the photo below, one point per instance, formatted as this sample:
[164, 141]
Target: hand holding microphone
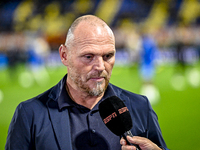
[144, 143]
[116, 117]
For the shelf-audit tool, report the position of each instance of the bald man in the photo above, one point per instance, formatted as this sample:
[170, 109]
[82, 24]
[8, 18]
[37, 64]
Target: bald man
[66, 117]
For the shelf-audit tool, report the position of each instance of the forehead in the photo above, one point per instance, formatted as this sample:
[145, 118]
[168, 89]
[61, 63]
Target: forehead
[92, 29]
[93, 37]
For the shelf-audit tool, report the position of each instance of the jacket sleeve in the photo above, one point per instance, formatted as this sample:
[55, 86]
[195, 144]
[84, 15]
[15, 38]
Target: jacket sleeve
[19, 135]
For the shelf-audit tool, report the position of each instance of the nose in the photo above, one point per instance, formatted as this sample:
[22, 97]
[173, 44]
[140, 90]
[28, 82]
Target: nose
[99, 64]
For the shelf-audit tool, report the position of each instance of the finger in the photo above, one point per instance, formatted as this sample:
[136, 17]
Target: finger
[143, 143]
[136, 140]
[132, 141]
[123, 141]
[128, 147]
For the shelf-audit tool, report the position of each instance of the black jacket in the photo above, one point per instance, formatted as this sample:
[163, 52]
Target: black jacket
[38, 124]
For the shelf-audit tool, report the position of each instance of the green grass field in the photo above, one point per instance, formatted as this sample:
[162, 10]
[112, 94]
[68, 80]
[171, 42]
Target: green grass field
[178, 111]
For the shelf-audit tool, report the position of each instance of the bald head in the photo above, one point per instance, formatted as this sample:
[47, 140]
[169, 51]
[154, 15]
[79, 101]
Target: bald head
[86, 24]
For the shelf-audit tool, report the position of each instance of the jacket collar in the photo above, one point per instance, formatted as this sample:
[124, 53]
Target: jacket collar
[56, 90]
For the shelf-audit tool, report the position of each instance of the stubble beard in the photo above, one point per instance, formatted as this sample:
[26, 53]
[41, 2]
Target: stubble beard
[97, 90]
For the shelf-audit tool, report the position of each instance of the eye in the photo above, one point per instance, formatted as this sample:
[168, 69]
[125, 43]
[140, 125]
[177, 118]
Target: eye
[88, 57]
[108, 56]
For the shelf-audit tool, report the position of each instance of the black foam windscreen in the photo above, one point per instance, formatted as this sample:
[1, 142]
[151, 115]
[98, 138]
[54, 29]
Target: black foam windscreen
[115, 115]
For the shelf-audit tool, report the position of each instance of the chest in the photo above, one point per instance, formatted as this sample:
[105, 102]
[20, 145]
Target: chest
[88, 132]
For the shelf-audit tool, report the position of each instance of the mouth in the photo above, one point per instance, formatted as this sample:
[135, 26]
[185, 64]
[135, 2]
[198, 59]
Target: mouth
[97, 79]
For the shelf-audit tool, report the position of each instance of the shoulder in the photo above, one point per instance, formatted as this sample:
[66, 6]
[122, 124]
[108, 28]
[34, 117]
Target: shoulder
[39, 104]
[35, 104]
[40, 101]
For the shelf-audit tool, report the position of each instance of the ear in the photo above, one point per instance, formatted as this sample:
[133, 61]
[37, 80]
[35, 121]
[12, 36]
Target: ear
[63, 54]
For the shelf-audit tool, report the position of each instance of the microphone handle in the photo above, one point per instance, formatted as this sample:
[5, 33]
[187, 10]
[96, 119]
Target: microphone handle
[131, 135]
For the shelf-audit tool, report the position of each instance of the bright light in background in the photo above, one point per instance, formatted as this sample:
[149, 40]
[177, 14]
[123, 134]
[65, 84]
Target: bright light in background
[151, 92]
[193, 77]
[178, 82]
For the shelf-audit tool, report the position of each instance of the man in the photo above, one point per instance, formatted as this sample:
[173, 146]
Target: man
[66, 116]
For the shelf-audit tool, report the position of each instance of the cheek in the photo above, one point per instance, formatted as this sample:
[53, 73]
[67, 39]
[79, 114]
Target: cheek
[75, 69]
[109, 67]
[83, 71]
[111, 64]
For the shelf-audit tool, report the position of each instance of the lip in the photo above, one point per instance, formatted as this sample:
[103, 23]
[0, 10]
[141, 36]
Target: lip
[98, 79]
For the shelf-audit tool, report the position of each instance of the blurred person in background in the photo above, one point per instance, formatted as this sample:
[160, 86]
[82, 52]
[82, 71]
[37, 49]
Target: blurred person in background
[180, 46]
[13, 45]
[178, 78]
[67, 116]
[38, 50]
[148, 66]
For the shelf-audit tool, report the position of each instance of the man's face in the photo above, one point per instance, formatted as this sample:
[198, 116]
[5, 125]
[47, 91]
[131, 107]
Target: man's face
[91, 60]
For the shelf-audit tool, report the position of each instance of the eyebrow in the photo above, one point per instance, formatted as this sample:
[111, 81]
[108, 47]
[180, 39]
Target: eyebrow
[97, 53]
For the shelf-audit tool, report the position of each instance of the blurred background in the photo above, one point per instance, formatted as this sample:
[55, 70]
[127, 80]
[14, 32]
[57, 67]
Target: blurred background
[158, 51]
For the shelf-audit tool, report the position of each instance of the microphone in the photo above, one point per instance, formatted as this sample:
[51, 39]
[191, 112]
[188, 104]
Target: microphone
[116, 117]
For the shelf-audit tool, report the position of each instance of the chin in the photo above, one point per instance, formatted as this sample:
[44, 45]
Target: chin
[97, 90]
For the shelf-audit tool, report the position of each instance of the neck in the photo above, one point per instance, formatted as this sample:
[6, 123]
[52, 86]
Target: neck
[82, 98]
